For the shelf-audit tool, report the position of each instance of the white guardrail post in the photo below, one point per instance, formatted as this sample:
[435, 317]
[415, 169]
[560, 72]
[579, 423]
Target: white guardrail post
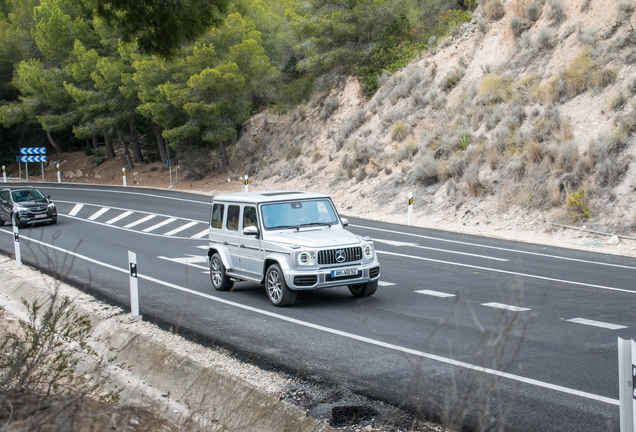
[59, 178]
[626, 374]
[247, 187]
[123, 170]
[410, 208]
[16, 242]
[4, 174]
[134, 287]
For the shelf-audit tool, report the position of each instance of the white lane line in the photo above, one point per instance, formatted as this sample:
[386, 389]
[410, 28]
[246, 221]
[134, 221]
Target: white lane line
[596, 323]
[508, 272]
[201, 234]
[120, 192]
[494, 247]
[415, 245]
[98, 213]
[120, 217]
[352, 336]
[178, 230]
[435, 293]
[191, 261]
[142, 220]
[382, 283]
[76, 209]
[506, 307]
[159, 225]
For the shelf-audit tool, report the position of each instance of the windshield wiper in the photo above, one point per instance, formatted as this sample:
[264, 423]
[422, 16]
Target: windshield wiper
[297, 228]
[317, 223]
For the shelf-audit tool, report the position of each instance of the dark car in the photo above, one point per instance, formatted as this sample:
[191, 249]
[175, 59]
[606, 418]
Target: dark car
[26, 206]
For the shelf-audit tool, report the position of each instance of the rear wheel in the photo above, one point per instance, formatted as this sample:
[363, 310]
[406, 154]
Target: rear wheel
[220, 281]
[279, 294]
[363, 290]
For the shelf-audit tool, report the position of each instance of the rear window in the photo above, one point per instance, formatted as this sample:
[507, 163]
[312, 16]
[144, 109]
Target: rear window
[217, 216]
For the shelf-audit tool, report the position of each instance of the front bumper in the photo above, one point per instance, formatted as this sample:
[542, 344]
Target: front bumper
[28, 218]
[314, 279]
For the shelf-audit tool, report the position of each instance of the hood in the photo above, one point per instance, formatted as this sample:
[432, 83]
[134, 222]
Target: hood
[36, 203]
[315, 238]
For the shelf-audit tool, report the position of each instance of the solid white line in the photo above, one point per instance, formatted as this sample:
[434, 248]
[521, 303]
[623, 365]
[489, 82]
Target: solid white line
[508, 272]
[99, 213]
[159, 225]
[494, 247]
[142, 220]
[415, 245]
[76, 209]
[120, 217]
[596, 323]
[435, 293]
[200, 235]
[382, 283]
[178, 230]
[119, 192]
[363, 339]
[506, 307]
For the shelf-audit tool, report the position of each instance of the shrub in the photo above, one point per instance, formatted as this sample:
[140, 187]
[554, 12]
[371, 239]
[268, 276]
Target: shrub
[567, 155]
[451, 79]
[331, 104]
[195, 161]
[605, 77]
[495, 10]
[399, 131]
[455, 167]
[555, 12]
[464, 141]
[425, 169]
[631, 86]
[618, 101]
[88, 150]
[405, 150]
[534, 151]
[519, 25]
[534, 11]
[610, 170]
[471, 177]
[545, 38]
[577, 206]
[353, 123]
[494, 89]
[315, 155]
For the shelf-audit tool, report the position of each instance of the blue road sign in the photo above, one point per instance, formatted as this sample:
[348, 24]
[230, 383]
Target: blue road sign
[33, 159]
[32, 151]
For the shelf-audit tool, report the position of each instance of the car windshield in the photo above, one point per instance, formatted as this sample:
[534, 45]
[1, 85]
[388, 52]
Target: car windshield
[26, 195]
[295, 214]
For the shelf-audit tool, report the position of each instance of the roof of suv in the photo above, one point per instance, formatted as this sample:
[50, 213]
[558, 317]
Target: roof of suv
[267, 196]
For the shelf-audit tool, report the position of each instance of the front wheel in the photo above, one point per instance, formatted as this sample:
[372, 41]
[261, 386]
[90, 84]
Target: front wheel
[16, 223]
[220, 281]
[279, 294]
[364, 290]
[54, 221]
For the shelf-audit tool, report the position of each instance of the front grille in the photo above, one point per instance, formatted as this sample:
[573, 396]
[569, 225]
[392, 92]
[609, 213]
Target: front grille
[374, 272]
[38, 209]
[328, 278]
[326, 257]
[305, 280]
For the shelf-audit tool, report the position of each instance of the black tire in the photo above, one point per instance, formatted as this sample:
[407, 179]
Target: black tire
[16, 223]
[1, 221]
[279, 294]
[363, 290]
[220, 281]
[54, 221]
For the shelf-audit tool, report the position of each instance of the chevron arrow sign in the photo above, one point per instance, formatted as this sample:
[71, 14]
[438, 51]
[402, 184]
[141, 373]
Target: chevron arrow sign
[32, 158]
[32, 151]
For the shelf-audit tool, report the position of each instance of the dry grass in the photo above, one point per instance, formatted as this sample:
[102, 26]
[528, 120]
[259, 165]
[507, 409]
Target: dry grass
[399, 131]
[495, 10]
[494, 89]
[534, 151]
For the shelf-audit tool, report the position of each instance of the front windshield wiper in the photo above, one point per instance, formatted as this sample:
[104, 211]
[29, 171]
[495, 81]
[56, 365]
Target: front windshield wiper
[297, 228]
[317, 223]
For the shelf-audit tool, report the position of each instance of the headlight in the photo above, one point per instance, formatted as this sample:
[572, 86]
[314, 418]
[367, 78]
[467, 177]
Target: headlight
[304, 258]
[19, 209]
[368, 251]
[51, 206]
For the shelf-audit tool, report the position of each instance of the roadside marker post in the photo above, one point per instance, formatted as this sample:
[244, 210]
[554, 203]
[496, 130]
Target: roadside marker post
[16, 242]
[626, 376]
[4, 174]
[410, 208]
[59, 178]
[124, 171]
[246, 184]
[134, 287]
[42, 167]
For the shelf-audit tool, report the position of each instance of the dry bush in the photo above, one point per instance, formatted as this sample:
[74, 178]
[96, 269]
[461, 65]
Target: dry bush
[495, 10]
[525, 41]
[555, 12]
[567, 131]
[452, 78]
[493, 156]
[519, 25]
[315, 155]
[393, 116]
[425, 169]
[330, 105]
[534, 11]
[411, 78]
[545, 38]
[567, 155]
[293, 152]
[631, 86]
[196, 161]
[471, 177]
[399, 131]
[383, 78]
[617, 101]
[515, 169]
[534, 152]
[455, 167]
[494, 89]
[605, 77]
[405, 150]
[353, 123]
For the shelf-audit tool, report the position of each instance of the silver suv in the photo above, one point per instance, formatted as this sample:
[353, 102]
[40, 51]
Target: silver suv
[289, 241]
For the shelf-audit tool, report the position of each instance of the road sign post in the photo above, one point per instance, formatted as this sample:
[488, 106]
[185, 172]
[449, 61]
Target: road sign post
[4, 174]
[410, 208]
[16, 243]
[123, 170]
[134, 287]
[32, 154]
[626, 372]
[59, 178]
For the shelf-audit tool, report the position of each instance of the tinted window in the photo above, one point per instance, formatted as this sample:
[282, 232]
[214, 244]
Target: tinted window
[27, 195]
[249, 217]
[233, 212]
[217, 216]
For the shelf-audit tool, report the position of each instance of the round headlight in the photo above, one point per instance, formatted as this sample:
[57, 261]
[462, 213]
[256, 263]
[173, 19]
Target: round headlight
[304, 258]
[368, 251]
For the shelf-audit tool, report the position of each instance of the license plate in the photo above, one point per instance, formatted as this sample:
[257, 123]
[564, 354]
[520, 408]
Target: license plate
[40, 215]
[344, 272]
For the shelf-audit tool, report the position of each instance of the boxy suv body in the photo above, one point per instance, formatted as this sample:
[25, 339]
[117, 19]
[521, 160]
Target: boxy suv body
[289, 241]
[24, 206]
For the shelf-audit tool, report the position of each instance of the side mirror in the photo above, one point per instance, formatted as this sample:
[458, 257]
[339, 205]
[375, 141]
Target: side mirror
[48, 196]
[345, 222]
[251, 230]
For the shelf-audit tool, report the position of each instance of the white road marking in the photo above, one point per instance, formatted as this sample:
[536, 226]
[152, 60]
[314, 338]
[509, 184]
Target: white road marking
[435, 293]
[200, 235]
[493, 247]
[596, 323]
[159, 225]
[506, 307]
[382, 283]
[191, 260]
[98, 213]
[415, 245]
[184, 227]
[120, 192]
[351, 336]
[203, 247]
[120, 217]
[508, 272]
[76, 209]
[142, 220]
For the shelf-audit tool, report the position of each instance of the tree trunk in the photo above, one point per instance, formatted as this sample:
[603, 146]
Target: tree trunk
[135, 140]
[160, 143]
[124, 147]
[57, 148]
[110, 152]
[224, 159]
[95, 143]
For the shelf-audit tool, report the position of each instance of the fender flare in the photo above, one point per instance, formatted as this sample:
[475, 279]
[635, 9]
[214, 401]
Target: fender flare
[224, 254]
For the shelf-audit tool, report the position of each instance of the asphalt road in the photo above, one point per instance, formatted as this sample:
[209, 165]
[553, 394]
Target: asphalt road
[459, 321]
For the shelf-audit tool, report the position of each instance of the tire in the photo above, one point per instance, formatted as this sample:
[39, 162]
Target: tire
[364, 290]
[220, 281]
[277, 291]
[1, 221]
[54, 221]
[16, 223]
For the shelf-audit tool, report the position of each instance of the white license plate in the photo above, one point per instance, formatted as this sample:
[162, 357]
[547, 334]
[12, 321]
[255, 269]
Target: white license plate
[40, 215]
[344, 272]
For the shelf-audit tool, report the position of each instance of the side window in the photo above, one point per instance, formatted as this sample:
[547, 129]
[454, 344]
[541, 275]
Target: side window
[233, 213]
[249, 217]
[217, 216]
